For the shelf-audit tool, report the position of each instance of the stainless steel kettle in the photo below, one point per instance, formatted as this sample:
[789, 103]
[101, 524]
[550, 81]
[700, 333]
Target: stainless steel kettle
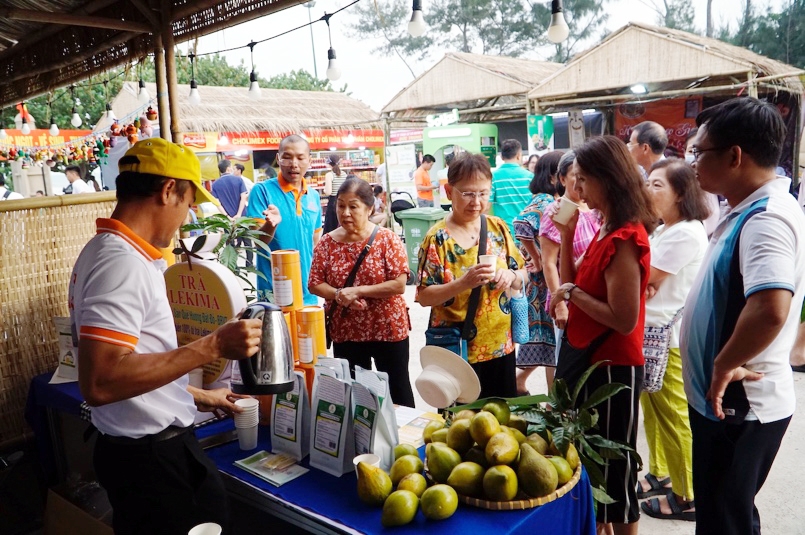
[270, 370]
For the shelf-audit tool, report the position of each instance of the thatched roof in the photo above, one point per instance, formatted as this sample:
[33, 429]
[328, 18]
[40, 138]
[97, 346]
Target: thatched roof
[229, 109]
[663, 60]
[461, 80]
[47, 44]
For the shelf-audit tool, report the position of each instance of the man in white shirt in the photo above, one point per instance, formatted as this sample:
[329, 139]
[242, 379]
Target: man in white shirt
[73, 174]
[130, 369]
[742, 314]
[647, 144]
[7, 194]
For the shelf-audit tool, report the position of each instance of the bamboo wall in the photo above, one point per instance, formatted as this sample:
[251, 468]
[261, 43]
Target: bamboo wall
[40, 240]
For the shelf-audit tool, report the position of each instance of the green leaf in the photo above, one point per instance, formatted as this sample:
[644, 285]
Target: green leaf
[602, 393]
[582, 381]
[585, 419]
[600, 495]
[516, 403]
[560, 396]
[229, 258]
[590, 452]
[609, 453]
[601, 442]
[593, 470]
[561, 439]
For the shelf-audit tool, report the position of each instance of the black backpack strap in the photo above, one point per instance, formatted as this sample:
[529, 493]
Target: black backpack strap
[469, 331]
[6, 194]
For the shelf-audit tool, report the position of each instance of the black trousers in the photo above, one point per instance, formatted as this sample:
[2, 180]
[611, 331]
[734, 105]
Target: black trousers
[498, 377]
[730, 465]
[390, 357]
[247, 244]
[164, 487]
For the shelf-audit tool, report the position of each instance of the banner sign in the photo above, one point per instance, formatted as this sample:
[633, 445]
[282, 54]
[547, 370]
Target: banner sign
[540, 133]
[677, 116]
[319, 140]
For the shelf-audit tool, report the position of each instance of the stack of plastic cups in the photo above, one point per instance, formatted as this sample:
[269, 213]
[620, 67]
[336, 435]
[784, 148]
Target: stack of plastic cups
[246, 422]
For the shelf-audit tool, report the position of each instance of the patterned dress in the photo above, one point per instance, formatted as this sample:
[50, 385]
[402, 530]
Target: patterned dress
[541, 347]
[442, 260]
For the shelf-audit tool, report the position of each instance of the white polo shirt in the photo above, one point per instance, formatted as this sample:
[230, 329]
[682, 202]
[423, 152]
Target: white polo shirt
[79, 186]
[117, 295]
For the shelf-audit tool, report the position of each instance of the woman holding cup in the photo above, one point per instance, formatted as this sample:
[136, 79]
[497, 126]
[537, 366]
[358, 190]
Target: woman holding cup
[449, 269]
[605, 294]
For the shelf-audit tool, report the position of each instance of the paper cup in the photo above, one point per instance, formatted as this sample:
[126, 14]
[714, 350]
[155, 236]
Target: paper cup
[488, 259]
[368, 458]
[208, 528]
[566, 210]
[250, 415]
[247, 437]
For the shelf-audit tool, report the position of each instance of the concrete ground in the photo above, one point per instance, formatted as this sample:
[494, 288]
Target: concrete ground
[781, 501]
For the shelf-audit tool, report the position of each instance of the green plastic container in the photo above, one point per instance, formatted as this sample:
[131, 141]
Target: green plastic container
[416, 223]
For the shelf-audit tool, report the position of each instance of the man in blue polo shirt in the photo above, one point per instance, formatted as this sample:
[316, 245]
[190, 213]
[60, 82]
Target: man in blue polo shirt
[292, 211]
[510, 193]
[742, 314]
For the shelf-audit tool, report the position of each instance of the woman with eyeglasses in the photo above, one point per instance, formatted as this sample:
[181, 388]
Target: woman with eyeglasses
[449, 270]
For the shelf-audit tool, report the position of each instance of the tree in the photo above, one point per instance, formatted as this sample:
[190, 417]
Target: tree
[674, 14]
[781, 36]
[300, 80]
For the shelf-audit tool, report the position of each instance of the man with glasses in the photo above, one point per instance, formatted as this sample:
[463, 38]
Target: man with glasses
[742, 314]
[510, 193]
[292, 213]
[647, 144]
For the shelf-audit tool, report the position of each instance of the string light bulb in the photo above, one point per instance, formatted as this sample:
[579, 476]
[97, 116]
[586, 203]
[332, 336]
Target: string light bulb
[26, 128]
[254, 86]
[3, 133]
[417, 26]
[333, 70]
[54, 129]
[109, 113]
[75, 120]
[195, 97]
[143, 95]
[558, 30]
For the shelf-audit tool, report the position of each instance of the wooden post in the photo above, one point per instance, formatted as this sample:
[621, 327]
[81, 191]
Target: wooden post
[752, 85]
[170, 67]
[162, 89]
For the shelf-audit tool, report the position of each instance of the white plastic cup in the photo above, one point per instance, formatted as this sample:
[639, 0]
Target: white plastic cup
[250, 415]
[208, 528]
[489, 260]
[247, 437]
[566, 210]
[368, 458]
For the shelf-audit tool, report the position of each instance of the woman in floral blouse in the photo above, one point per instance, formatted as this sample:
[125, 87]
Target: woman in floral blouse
[449, 270]
[370, 319]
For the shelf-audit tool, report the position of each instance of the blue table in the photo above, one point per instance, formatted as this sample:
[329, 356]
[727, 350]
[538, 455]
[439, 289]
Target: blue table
[322, 503]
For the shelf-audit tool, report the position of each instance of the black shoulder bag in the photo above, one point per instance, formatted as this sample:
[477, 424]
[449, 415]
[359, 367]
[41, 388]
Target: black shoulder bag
[452, 338]
[349, 282]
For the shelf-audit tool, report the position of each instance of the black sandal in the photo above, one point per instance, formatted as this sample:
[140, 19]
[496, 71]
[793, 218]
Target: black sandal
[658, 487]
[678, 512]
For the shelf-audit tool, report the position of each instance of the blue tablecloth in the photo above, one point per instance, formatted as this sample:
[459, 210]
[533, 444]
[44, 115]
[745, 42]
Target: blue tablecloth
[336, 498]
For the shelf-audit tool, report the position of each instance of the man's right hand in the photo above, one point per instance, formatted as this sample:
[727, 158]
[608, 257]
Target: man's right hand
[238, 339]
[272, 215]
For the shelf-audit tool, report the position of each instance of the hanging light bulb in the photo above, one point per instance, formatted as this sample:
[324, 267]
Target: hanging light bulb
[333, 71]
[417, 25]
[254, 86]
[75, 120]
[143, 95]
[558, 30]
[54, 130]
[109, 113]
[195, 97]
[3, 133]
[26, 128]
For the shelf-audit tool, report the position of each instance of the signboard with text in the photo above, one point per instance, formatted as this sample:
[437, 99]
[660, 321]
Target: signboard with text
[319, 140]
[41, 138]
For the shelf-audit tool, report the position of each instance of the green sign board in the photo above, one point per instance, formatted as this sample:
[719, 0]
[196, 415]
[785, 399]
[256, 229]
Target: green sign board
[540, 133]
[490, 153]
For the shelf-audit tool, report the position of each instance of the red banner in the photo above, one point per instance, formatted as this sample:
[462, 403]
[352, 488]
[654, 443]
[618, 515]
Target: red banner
[319, 140]
[411, 135]
[677, 116]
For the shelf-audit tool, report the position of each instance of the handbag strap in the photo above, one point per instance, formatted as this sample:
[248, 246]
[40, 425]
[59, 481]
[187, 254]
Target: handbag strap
[354, 273]
[676, 317]
[469, 331]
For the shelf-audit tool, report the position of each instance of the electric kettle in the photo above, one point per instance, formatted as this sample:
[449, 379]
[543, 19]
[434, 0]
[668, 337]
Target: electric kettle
[270, 370]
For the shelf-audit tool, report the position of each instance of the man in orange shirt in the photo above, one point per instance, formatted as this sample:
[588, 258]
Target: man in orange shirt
[424, 188]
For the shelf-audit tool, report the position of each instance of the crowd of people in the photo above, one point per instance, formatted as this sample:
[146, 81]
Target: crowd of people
[634, 254]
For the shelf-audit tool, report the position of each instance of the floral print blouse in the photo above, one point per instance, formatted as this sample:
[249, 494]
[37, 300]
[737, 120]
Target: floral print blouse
[442, 260]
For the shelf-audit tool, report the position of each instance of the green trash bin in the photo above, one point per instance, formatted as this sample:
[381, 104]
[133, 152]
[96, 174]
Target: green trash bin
[416, 223]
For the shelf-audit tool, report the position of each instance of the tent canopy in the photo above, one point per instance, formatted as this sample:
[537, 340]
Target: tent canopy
[484, 81]
[277, 111]
[47, 44]
[665, 61]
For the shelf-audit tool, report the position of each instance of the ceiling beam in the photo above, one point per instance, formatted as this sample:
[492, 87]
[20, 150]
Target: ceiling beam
[67, 19]
[147, 12]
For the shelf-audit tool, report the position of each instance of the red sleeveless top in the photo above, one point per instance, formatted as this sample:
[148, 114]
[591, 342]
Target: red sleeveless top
[619, 349]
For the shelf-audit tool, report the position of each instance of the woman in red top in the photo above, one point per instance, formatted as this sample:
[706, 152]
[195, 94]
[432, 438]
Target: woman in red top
[606, 298]
[370, 319]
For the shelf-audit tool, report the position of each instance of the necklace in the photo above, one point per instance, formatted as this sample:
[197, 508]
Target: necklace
[465, 234]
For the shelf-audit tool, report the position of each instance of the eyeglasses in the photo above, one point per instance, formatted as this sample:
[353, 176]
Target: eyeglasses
[696, 151]
[473, 195]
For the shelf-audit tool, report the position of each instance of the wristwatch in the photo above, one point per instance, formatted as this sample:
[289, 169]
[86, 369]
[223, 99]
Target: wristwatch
[568, 291]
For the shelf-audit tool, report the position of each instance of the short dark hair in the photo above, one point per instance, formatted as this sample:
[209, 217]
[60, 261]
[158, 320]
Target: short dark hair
[360, 188]
[509, 149]
[377, 189]
[137, 186]
[682, 179]
[468, 165]
[240, 167]
[448, 159]
[73, 168]
[223, 165]
[544, 172]
[428, 159]
[652, 134]
[691, 134]
[293, 138]
[606, 160]
[755, 126]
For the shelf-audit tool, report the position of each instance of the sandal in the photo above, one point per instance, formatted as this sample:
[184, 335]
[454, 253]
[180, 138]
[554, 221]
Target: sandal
[657, 487]
[678, 512]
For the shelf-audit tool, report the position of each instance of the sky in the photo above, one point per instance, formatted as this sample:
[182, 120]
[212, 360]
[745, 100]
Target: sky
[371, 77]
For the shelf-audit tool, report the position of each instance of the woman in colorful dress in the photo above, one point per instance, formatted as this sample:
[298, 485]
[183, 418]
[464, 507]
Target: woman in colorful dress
[541, 346]
[370, 319]
[449, 270]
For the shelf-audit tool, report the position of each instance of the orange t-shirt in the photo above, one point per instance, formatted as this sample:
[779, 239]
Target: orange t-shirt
[422, 178]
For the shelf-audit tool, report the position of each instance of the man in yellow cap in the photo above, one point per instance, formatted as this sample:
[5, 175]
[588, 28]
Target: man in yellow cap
[131, 371]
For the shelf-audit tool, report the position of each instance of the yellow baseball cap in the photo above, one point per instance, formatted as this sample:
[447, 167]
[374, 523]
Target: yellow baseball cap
[156, 156]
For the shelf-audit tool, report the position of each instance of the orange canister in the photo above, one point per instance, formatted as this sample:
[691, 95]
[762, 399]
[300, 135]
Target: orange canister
[310, 335]
[286, 271]
[290, 320]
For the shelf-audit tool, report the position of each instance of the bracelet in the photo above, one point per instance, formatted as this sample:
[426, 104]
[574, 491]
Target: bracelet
[337, 293]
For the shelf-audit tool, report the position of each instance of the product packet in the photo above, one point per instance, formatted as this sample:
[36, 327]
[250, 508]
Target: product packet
[339, 366]
[290, 420]
[375, 423]
[68, 353]
[332, 443]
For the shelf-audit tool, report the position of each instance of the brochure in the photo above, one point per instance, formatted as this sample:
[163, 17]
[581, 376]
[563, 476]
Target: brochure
[276, 469]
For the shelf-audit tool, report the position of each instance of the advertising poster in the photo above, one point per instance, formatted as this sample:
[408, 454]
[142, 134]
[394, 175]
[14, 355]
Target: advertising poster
[677, 116]
[540, 134]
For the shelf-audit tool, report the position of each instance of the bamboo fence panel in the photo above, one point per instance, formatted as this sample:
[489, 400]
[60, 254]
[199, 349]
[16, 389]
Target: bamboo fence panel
[40, 240]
